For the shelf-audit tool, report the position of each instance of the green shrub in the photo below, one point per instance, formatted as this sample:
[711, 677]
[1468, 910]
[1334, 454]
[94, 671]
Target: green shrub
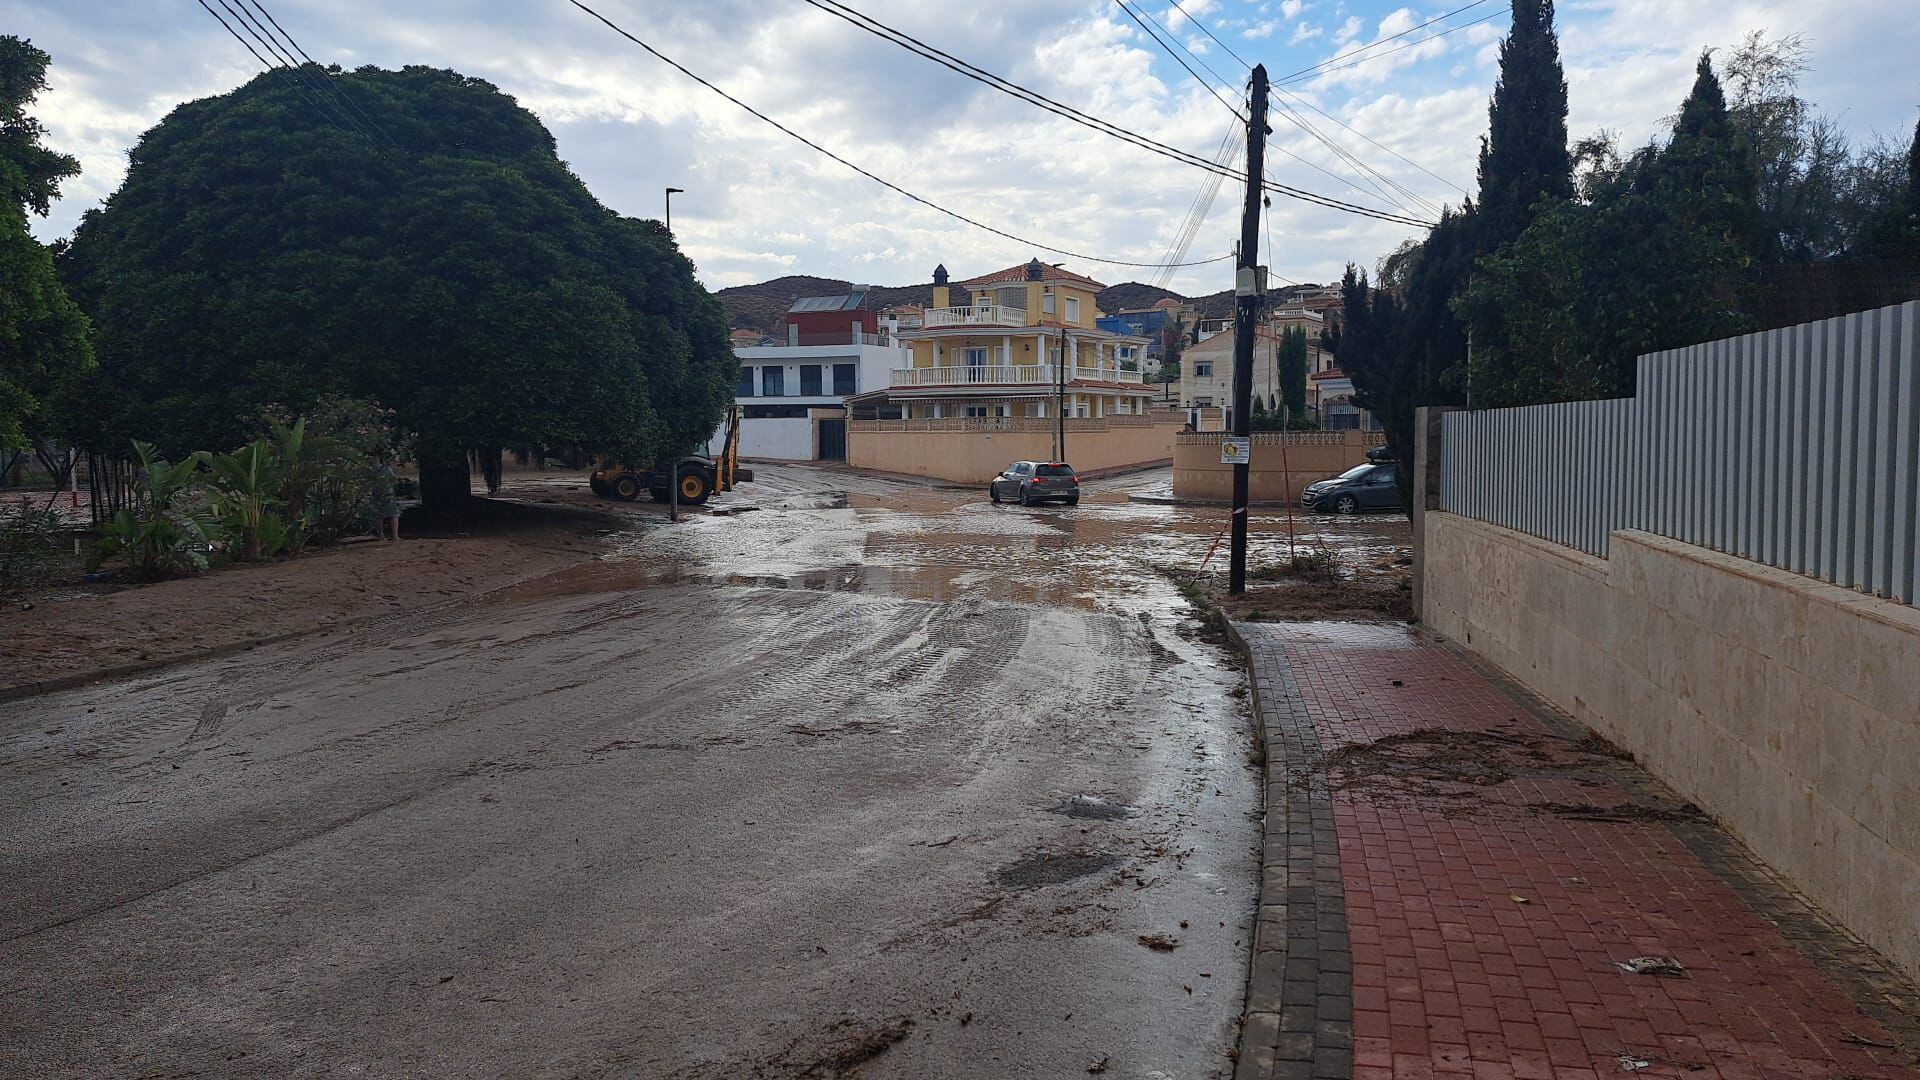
[172, 527]
[33, 549]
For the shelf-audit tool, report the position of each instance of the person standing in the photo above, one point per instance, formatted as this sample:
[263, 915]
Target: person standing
[387, 502]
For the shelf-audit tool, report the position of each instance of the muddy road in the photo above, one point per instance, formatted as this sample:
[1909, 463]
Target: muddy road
[878, 780]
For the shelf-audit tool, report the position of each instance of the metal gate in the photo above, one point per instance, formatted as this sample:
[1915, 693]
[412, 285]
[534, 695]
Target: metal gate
[833, 440]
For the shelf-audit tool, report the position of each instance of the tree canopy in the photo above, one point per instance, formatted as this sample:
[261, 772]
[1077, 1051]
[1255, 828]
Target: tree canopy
[43, 335]
[1525, 156]
[434, 254]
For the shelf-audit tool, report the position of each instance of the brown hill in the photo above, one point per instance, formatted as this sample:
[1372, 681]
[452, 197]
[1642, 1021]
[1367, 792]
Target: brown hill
[760, 306]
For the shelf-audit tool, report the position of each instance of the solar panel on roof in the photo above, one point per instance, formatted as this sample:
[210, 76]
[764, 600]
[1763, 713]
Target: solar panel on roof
[826, 303]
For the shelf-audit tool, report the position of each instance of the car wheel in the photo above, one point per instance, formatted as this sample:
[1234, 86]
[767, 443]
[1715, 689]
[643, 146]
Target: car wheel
[993, 493]
[1025, 500]
[1073, 500]
[1347, 504]
[627, 487]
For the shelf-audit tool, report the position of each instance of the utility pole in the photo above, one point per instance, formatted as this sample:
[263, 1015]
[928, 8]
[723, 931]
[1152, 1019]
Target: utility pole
[671, 192]
[1247, 299]
[1060, 400]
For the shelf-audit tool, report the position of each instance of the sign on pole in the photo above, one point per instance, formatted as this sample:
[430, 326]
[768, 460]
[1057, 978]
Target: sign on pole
[1236, 450]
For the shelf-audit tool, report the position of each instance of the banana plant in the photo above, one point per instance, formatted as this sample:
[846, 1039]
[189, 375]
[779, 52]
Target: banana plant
[170, 532]
[247, 492]
[301, 465]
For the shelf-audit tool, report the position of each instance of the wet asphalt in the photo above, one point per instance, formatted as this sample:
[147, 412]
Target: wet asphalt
[877, 780]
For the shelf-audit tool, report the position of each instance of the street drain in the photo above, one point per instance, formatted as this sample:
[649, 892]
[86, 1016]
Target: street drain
[1094, 808]
[1055, 867]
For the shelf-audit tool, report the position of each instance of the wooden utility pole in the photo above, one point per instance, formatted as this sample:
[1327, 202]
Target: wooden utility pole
[1247, 299]
[1060, 400]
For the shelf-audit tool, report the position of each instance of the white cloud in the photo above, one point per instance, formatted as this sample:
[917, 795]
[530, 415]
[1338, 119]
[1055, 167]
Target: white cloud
[758, 204]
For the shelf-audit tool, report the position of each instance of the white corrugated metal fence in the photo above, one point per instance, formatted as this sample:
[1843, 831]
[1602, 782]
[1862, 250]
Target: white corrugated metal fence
[1797, 447]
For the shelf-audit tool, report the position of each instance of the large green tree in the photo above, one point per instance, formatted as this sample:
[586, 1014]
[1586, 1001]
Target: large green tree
[434, 254]
[1525, 157]
[1655, 258]
[1416, 353]
[43, 335]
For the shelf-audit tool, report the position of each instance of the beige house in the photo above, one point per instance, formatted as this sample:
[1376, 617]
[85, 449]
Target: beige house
[1206, 369]
[1004, 356]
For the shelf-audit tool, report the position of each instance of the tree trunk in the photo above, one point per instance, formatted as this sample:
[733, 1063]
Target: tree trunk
[446, 484]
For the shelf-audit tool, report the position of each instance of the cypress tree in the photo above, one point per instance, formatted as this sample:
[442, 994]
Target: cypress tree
[1525, 156]
[1913, 193]
[1293, 372]
[1709, 164]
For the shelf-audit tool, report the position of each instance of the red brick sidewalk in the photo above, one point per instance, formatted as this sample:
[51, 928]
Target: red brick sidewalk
[1497, 867]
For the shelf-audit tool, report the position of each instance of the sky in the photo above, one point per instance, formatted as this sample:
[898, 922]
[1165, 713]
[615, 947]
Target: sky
[758, 204]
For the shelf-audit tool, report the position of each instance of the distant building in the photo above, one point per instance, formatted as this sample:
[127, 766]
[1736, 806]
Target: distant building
[793, 389]
[1168, 316]
[900, 318]
[996, 363]
[1206, 371]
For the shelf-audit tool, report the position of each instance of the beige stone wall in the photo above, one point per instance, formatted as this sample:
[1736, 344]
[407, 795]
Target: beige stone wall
[973, 456]
[1198, 474]
[1787, 708]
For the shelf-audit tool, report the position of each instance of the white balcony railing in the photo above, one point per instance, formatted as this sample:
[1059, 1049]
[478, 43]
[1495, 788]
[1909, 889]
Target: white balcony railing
[975, 315]
[1003, 374]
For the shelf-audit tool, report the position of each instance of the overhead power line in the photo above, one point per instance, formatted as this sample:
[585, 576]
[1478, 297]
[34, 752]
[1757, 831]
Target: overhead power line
[1369, 47]
[1399, 48]
[888, 184]
[337, 92]
[332, 114]
[1231, 147]
[1298, 100]
[1203, 29]
[1168, 49]
[1359, 167]
[1012, 89]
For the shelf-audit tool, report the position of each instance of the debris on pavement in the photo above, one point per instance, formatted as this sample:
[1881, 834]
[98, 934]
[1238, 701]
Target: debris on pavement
[1664, 966]
[1629, 1063]
[1159, 942]
[1099, 1066]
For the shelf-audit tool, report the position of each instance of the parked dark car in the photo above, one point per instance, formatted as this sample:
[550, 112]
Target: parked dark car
[1029, 482]
[1359, 489]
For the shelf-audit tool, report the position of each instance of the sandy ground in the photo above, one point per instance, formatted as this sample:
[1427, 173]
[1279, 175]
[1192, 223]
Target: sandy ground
[877, 778]
[72, 631]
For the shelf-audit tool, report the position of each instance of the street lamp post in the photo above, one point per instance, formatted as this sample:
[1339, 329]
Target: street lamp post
[671, 192]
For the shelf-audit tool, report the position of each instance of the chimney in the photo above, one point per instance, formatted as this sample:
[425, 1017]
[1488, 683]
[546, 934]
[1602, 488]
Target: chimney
[940, 286]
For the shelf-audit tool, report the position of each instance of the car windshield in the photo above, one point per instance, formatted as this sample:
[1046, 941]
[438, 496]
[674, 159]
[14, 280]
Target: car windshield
[1056, 470]
[1355, 473]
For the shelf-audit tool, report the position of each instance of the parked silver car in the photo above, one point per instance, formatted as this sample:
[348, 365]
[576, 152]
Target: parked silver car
[1028, 482]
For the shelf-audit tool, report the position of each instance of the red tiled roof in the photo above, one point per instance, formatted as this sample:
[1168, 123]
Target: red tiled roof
[1019, 273]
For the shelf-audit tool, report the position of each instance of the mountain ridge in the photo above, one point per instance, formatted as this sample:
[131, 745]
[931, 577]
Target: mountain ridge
[761, 305]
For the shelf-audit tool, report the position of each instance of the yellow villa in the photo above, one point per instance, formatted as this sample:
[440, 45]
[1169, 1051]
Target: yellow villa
[992, 346]
[996, 363]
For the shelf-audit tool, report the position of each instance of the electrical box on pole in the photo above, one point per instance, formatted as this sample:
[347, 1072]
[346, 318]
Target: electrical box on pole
[1249, 293]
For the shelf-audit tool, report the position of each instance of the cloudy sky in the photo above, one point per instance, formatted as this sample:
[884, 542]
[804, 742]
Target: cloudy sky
[758, 204]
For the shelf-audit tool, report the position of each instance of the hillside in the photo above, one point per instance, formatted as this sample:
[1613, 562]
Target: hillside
[760, 306]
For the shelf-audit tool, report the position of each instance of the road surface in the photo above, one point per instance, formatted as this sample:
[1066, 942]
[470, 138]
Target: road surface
[880, 779]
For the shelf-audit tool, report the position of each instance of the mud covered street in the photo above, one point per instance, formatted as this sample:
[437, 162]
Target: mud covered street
[878, 778]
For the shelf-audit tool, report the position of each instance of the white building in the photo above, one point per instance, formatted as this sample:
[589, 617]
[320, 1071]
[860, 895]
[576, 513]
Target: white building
[793, 397]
